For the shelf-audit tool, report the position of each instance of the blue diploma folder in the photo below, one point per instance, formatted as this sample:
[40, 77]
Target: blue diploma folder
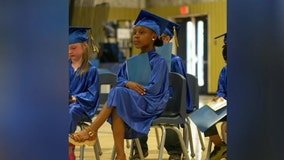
[206, 117]
[138, 68]
[165, 51]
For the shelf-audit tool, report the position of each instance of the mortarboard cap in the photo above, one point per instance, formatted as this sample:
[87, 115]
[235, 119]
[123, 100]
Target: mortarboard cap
[78, 34]
[222, 35]
[172, 29]
[151, 21]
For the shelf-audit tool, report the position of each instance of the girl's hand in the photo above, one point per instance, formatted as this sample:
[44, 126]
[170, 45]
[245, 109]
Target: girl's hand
[135, 87]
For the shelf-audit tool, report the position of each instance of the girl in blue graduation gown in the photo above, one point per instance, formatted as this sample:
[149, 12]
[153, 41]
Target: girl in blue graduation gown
[131, 106]
[172, 143]
[83, 81]
[84, 94]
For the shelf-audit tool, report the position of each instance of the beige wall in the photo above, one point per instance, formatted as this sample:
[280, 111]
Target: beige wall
[215, 10]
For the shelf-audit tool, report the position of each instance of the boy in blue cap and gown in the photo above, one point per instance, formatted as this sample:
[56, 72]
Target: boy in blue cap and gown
[177, 65]
[131, 107]
[172, 143]
[83, 81]
[220, 147]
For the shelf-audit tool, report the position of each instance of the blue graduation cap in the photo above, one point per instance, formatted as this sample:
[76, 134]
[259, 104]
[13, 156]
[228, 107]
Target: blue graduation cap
[172, 29]
[223, 35]
[151, 21]
[78, 34]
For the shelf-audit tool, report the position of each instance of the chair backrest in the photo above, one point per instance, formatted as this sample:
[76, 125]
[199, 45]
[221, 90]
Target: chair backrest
[107, 80]
[194, 90]
[176, 105]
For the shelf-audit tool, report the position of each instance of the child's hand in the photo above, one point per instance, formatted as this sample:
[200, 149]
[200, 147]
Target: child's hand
[217, 99]
[135, 87]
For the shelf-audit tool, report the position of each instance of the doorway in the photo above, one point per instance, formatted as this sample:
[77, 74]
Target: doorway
[193, 49]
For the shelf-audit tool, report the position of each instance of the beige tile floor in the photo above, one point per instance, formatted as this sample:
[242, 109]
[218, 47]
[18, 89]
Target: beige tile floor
[106, 142]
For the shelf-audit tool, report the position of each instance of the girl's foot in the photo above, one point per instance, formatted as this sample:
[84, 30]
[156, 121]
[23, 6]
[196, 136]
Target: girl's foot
[84, 137]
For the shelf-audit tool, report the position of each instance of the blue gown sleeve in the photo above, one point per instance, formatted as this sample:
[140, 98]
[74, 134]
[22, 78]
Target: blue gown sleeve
[122, 77]
[86, 90]
[178, 67]
[222, 83]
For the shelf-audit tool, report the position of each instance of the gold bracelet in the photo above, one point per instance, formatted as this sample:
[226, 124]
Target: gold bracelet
[91, 132]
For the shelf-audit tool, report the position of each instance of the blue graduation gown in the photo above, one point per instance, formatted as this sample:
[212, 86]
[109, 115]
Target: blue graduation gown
[222, 83]
[86, 90]
[137, 111]
[178, 67]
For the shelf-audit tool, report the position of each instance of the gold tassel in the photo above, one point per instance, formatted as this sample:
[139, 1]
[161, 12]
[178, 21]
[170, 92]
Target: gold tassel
[175, 37]
[94, 47]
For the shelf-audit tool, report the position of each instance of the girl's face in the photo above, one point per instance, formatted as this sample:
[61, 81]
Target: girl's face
[143, 38]
[75, 51]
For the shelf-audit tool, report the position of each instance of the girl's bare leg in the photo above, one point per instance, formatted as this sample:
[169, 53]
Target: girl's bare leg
[118, 136]
[101, 117]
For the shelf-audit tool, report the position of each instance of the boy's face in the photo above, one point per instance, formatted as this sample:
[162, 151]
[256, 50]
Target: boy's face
[165, 38]
[75, 51]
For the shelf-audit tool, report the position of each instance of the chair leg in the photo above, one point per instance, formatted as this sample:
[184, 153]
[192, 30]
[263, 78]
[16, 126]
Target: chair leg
[182, 143]
[82, 149]
[97, 150]
[208, 150]
[157, 137]
[185, 135]
[131, 152]
[138, 146]
[162, 143]
[190, 137]
[113, 153]
[201, 139]
[96, 147]
[127, 143]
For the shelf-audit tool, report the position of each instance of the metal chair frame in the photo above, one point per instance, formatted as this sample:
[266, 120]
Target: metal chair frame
[105, 79]
[194, 92]
[173, 115]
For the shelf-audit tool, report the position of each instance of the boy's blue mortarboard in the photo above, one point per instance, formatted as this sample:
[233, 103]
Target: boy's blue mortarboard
[78, 34]
[151, 21]
[225, 37]
[172, 29]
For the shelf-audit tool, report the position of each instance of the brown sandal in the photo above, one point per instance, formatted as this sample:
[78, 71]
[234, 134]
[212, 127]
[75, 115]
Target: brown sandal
[76, 138]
